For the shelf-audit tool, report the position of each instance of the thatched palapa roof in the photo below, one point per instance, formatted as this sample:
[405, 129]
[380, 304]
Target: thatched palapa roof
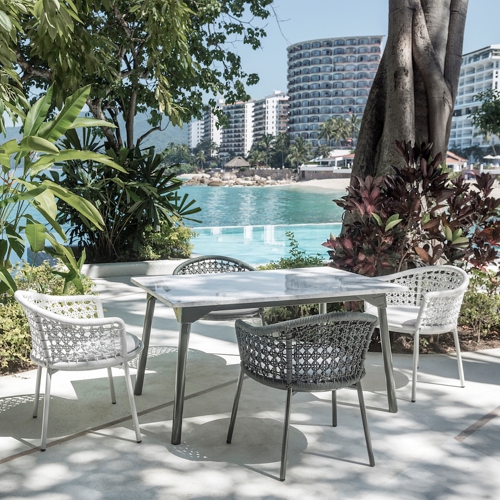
[237, 161]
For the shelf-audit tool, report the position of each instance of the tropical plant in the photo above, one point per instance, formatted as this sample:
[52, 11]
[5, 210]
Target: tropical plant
[15, 338]
[281, 146]
[352, 126]
[481, 306]
[21, 164]
[144, 194]
[328, 130]
[419, 215]
[296, 258]
[256, 157]
[170, 242]
[487, 117]
[266, 145]
[159, 57]
[299, 152]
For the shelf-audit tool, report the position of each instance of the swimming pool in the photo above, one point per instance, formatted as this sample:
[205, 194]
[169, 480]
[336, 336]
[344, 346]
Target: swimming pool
[262, 244]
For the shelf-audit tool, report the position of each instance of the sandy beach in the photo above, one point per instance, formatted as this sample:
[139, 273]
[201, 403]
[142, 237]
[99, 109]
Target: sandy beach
[341, 184]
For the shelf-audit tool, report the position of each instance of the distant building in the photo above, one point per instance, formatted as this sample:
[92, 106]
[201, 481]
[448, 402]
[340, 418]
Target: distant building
[479, 72]
[248, 122]
[270, 115]
[329, 77]
[196, 130]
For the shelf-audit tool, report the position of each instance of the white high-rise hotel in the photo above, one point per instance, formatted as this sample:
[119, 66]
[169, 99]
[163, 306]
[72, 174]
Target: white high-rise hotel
[248, 122]
[329, 77]
[480, 71]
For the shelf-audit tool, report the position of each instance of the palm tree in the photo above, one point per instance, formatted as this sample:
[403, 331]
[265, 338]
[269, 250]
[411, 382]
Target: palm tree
[256, 157]
[353, 125]
[328, 130]
[200, 158]
[282, 144]
[323, 150]
[300, 151]
[266, 145]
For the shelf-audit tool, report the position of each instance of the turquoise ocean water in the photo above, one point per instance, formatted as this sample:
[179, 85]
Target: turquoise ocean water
[250, 223]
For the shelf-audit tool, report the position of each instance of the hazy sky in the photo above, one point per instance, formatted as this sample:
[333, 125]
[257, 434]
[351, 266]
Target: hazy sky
[308, 19]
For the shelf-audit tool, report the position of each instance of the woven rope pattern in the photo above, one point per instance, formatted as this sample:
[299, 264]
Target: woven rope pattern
[438, 311]
[55, 342]
[423, 280]
[211, 264]
[315, 353]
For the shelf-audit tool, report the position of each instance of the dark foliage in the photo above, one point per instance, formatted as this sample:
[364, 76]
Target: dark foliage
[419, 215]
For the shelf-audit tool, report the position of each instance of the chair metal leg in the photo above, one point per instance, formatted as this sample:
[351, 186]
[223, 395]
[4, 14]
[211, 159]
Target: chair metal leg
[46, 404]
[133, 409]
[368, 440]
[334, 408]
[284, 445]
[235, 407]
[37, 391]
[416, 349]
[111, 386]
[459, 358]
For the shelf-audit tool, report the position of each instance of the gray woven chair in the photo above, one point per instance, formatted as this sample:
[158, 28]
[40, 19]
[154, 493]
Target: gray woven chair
[430, 306]
[317, 353]
[71, 334]
[214, 264]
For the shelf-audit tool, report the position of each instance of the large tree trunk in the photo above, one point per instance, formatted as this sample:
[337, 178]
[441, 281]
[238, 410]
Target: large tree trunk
[414, 91]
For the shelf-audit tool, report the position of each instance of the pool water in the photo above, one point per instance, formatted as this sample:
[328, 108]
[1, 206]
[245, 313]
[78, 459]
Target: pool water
[249, 223]
[261, 244]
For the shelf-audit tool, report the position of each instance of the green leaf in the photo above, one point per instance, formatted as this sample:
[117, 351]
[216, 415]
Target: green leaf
[73, 105]
[35, 234]
[393, 218]
[37, 114]
[378, 219]
[457, 233]
[447, 233]
[84, 207]
[5, 22]
[69, 154]
[391, 224]
[6, 281]
[460, 240]
[33, 143]
[90, 122]
[10, 147]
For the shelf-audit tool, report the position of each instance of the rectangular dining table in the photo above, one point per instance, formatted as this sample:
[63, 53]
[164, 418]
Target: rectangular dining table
[193, 296]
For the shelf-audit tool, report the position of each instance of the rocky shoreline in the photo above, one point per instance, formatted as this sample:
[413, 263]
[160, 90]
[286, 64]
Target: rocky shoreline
[266, 178]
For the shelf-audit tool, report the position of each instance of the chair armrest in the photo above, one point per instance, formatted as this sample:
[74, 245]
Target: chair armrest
[440, 309]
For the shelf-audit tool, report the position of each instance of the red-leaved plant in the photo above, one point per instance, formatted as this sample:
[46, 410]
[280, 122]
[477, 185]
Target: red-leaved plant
[420, 215]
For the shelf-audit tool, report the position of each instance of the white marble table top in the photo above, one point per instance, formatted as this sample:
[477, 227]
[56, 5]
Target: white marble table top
[283, 285]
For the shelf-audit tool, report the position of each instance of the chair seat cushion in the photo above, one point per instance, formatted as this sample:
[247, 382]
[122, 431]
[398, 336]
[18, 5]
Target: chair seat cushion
[400, 318]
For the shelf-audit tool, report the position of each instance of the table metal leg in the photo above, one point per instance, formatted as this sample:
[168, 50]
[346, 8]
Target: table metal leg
[322, 308]
[146, 334]
[387, 355]
[180, 382]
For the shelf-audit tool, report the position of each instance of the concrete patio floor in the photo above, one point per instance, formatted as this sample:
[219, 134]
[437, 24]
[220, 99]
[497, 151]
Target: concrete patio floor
[444, 446]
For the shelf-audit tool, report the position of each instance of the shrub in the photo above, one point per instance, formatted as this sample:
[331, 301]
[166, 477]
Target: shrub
[169, 243]
[481, 305]
[420, 215]
[144, 194]
[296, 258]
[15, 338]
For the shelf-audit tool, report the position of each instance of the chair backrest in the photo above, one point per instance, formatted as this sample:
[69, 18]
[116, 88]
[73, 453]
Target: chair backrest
[423, 280]
[320, 352]
[70, 329]
[210, 264]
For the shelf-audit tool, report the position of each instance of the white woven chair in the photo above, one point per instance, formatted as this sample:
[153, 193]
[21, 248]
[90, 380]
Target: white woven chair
[316, 353]
[216, 264]
[71, 334]
[430, 306]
